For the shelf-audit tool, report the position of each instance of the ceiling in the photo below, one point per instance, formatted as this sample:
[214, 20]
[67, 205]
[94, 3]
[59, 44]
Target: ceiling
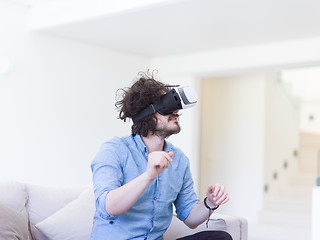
[29, 3]
[189, 26]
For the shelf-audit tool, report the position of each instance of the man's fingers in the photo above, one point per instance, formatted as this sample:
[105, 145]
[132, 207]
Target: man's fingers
[159, 156]
[210, 189]
[217, 194]
[163, 163]
[221, 199]
[221, 191]
[225, 201]
[216, 189]
[169, 156]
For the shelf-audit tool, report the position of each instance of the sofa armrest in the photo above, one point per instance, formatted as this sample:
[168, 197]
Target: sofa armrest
[235, 226]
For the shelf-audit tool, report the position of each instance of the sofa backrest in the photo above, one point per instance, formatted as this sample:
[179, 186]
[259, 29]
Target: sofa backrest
[38, 203]
[14, 195]
[14, 223]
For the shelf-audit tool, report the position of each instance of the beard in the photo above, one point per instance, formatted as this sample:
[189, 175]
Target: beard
[165, 131]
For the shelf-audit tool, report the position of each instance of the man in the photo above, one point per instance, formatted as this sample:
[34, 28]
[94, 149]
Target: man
[138, 178]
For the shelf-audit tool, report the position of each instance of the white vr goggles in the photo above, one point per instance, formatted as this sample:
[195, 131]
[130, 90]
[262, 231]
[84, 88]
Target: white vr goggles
[177, 98]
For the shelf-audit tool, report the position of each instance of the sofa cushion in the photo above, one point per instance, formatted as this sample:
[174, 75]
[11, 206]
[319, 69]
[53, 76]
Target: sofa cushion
[44, 201]
[73, 222]
[14, 195]
[13, 224]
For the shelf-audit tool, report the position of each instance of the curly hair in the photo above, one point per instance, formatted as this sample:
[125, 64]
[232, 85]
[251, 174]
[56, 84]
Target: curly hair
[145, 91]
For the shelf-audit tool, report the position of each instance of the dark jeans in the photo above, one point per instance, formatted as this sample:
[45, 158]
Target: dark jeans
[208, 235]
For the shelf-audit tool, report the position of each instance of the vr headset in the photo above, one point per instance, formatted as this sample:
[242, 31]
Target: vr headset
[177, 98]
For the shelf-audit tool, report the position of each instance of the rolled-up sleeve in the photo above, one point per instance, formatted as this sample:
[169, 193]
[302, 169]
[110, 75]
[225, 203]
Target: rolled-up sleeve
[107, 174]
[187, 197]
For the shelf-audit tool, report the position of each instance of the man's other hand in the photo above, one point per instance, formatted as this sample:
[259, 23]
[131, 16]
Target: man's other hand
[216, 195]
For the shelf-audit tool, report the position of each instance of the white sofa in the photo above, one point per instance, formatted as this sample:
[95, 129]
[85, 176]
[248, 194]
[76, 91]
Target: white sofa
[45, 213]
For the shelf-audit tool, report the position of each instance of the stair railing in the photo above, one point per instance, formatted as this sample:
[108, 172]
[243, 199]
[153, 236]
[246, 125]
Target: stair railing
[287, 91]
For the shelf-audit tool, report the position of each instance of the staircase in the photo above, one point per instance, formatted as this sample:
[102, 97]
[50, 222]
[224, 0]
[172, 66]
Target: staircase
[287, 213]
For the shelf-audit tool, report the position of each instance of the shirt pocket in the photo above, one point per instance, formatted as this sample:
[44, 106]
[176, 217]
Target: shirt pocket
[169, 191]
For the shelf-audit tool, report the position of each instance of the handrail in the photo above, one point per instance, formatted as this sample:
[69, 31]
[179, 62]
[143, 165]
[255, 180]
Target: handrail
[294, 101]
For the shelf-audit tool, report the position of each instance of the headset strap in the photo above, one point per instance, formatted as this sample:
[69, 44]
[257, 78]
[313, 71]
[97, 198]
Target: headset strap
[151, 109]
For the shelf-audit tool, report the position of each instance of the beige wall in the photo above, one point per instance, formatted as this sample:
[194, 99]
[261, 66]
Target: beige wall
[232, 140]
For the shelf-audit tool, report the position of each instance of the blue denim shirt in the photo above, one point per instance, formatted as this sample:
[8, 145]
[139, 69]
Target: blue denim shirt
[121, 160]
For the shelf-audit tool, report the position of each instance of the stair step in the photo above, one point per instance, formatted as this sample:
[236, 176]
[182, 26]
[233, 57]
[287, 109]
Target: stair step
[294, 192]
[302, 179]
[276, 204]
[308, 167]
[291, 219]
[309, 152]
[272, 232]
[310, 140]
[287, 214]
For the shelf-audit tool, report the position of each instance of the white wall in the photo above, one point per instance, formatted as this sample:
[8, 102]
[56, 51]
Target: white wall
[232, 141]
[57, 103]
[315, 213]
[308, 109]
[281, 134]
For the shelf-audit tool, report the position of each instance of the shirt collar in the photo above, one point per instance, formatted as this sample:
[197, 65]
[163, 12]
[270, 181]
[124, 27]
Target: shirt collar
[142, 147]
[165, 147]
[140, 144]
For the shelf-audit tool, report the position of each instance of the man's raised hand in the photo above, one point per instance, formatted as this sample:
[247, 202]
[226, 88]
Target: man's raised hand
[157, 162]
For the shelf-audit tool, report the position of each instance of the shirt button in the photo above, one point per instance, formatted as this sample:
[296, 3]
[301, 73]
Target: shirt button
[155, 198]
